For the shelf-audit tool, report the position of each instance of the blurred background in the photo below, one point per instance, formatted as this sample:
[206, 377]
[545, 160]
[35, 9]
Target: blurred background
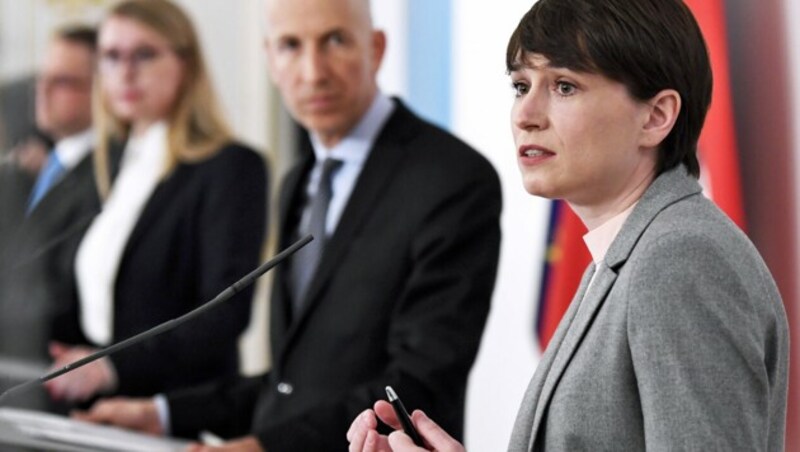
[446, 58]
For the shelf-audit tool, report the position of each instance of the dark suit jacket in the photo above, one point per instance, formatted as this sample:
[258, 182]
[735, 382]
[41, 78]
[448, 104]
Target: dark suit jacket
[400, 298]
[37, 253]
[201, 230]
[17, 110]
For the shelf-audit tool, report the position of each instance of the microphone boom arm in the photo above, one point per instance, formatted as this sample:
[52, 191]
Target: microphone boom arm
[170, 324]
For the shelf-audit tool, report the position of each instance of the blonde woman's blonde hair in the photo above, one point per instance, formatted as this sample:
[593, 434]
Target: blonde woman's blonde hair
[196, 126]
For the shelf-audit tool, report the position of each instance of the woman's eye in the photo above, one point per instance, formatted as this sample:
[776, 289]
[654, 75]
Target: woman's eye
[565, 88]
[111, 56]
[144, 54]
[519, 88]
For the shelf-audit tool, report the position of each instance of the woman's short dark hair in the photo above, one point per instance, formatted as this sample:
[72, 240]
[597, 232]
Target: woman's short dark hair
[647, 45]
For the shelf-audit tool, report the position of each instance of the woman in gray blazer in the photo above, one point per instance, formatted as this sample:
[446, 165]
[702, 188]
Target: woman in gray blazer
[677, 337]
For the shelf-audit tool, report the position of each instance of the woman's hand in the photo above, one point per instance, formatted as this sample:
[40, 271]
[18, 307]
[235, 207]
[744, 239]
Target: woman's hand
[364, 437]
[133, 414]
[82, 383]
[246, 444]
[363, 434]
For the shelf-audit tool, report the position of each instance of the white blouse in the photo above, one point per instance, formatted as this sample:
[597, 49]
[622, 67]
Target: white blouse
[100, 252]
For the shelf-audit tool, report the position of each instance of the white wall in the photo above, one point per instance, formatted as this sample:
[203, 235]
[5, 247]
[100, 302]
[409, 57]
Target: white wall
[482, 100]
[231, 35]
[391, 17]
[26, 25]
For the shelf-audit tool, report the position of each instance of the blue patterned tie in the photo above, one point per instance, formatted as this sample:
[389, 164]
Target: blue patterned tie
[304, 262]
[49, 175]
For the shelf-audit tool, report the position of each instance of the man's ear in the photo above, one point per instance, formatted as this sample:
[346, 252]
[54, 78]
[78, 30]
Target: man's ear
[663, 111]
[378, 48]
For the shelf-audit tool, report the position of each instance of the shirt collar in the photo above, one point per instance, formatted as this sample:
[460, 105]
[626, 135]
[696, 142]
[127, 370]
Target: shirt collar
[72, 149]
[355, 147]
[599, 239]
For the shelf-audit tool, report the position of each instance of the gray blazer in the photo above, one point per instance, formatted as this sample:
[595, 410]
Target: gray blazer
[681, 343]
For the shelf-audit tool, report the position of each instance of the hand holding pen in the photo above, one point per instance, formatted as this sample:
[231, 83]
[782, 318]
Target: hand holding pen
[364, 437]
[402, 416]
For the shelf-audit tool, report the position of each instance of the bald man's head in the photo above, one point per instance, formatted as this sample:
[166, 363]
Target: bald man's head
[361, 9]
[324, 56]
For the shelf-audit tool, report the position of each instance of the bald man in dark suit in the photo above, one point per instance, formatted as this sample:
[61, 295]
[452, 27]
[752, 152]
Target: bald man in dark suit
[400, 290]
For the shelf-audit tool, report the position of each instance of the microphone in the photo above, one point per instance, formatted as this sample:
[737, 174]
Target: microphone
[223, 296]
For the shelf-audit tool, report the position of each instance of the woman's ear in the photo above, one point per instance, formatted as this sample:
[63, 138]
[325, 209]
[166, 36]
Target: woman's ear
[663, 111]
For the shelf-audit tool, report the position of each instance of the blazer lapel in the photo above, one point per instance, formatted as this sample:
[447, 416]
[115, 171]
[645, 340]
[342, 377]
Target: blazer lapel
[586, 308]
[59, 215]
[378, 171]
[62, 195]
[521, 436]
[290, 197]
[370, 185]
[154, 209]
[667, 189]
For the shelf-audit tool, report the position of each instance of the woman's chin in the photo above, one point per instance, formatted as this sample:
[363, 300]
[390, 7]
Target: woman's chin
[536, 188]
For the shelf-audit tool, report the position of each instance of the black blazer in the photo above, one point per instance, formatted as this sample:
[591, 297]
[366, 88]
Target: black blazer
[400, 298]
[200, 231]
[37, 253]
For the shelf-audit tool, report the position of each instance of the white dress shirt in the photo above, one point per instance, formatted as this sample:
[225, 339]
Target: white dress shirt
[100, 252]
[72, 149]
[599, 239]
[353, 151]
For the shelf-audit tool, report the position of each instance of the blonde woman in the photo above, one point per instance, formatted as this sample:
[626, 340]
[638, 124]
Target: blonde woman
[184, 214]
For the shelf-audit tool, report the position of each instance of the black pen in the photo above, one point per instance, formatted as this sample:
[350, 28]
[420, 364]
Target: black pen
[402, 415]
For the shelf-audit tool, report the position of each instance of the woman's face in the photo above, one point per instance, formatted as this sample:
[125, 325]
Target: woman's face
[578, 135]
[140, 74]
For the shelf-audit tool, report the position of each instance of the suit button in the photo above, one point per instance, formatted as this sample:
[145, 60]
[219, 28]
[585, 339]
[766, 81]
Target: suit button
[285, 388]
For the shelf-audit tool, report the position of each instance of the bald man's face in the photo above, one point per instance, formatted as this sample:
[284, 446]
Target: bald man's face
[324, 57]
